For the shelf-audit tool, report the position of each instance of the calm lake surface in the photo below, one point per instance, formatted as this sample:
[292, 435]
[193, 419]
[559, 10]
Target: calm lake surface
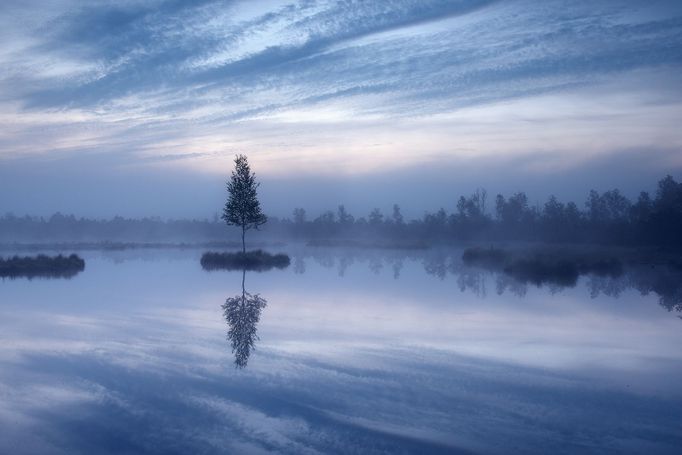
[353, 352]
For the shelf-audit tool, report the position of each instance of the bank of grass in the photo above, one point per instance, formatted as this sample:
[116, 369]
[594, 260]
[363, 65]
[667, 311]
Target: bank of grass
[257, 260]
[41, 266]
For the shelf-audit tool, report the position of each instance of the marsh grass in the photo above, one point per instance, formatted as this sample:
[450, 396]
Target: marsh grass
[41, 266]
[257, 260]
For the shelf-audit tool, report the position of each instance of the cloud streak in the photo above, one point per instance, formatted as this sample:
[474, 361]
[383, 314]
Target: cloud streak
[322, 85]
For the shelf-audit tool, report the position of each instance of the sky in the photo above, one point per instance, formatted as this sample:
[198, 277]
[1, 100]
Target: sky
[137, 108]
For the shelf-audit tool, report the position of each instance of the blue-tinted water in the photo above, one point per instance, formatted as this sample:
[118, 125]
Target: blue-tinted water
[359, 352]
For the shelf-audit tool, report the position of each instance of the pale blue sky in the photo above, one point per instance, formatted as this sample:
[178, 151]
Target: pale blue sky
[138, 107]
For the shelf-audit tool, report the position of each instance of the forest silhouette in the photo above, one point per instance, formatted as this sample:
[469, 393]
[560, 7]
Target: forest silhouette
[607, 218]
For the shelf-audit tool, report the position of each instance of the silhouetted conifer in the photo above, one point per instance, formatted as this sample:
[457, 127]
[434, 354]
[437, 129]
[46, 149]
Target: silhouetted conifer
[242, 207]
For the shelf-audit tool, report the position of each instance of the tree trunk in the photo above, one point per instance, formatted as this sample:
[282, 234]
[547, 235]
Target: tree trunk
[243, 242]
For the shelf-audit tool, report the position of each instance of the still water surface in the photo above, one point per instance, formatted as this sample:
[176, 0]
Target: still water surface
[342, 352]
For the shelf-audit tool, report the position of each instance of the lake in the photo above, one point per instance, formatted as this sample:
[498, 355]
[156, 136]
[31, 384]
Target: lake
[344, 351]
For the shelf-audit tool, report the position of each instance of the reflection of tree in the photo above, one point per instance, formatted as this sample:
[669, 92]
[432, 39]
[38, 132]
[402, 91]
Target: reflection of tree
[242, 313]
[436, 265]
[375, 259]
[601, 277]
[376, 265]
[327, 261]
[397, 267]
[507, 283]
[472, 280]
[612, 287]
[299, 265]
[664, 281]
[344, 263]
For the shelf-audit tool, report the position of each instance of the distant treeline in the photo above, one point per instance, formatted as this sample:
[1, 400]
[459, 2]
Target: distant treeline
[604, 218]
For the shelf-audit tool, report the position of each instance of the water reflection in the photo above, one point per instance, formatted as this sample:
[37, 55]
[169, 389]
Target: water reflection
[360, 364]
[665, 282]
[242, 313]
[343, 259]
[662, 280]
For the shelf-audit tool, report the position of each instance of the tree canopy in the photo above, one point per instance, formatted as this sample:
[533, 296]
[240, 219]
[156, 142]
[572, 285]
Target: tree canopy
[242, 207]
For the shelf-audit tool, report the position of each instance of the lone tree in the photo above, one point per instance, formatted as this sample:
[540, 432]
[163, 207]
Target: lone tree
[242, 207]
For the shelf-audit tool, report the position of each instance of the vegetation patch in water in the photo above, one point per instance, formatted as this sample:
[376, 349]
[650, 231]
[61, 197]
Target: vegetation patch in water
[257, 260]
[544, 266]
[41, 266]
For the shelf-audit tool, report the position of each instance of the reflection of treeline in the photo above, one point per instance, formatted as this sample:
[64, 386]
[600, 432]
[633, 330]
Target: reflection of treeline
[41, 266]
[608, 277]
[517, 270]
[560, 267]
[608, 218]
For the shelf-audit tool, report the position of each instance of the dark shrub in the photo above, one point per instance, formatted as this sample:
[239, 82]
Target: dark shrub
[41, 266]
[257, 260]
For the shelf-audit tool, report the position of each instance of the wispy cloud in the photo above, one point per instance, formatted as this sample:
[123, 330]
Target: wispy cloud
[336, 85]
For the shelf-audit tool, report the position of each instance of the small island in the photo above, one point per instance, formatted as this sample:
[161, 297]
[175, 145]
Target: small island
[257, 260]
[41, 266]
[243, 209]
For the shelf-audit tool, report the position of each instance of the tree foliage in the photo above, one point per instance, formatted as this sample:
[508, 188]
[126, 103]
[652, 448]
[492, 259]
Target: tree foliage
[242, 207]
